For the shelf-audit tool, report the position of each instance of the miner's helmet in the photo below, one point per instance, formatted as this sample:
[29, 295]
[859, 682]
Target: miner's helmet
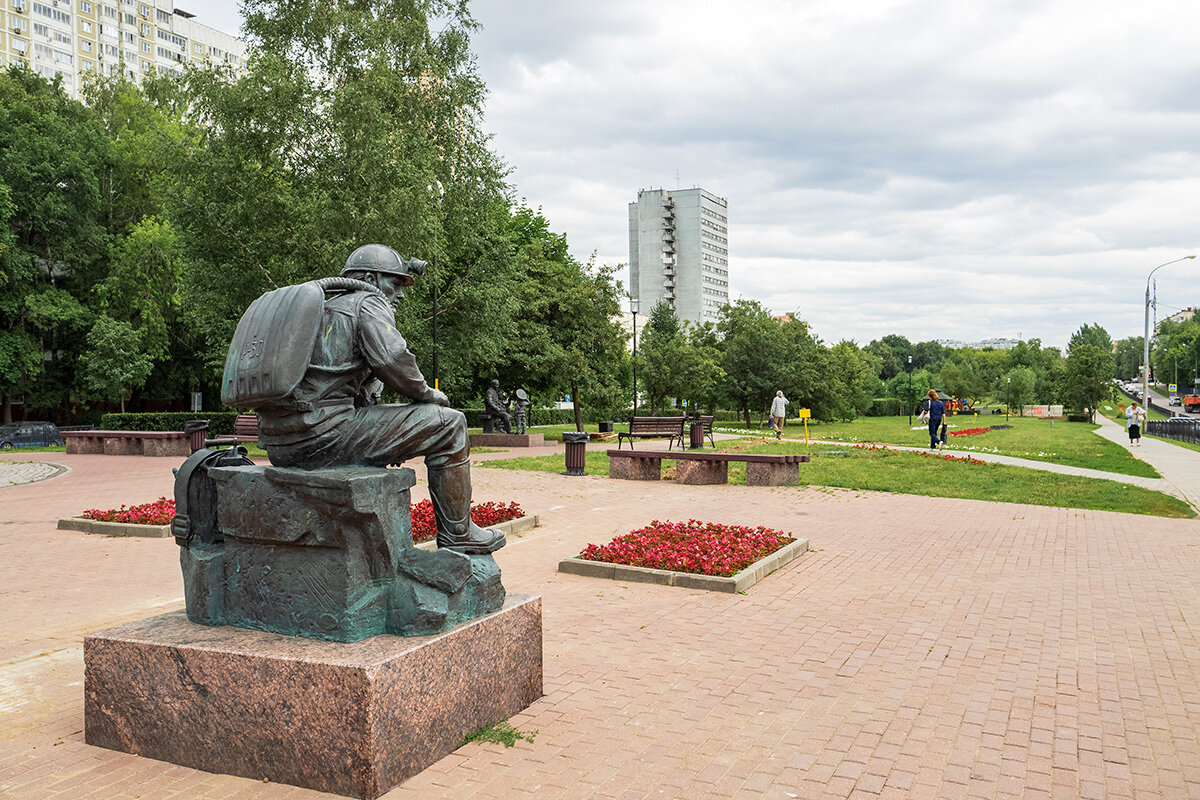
[383, 259]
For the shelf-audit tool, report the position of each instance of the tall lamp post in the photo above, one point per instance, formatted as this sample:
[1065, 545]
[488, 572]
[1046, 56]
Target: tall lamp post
[441, 193]
[908, 395]
[1146, 337]
[1007, 397]
[634, 304]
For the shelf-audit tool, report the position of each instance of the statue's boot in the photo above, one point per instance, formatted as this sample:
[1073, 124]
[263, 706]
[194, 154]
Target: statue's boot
[450, 492]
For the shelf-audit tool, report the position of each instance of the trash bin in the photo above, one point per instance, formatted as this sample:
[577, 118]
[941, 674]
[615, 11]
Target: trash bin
[696, 434]
[197, 431]
[576, 443]
[606, 426]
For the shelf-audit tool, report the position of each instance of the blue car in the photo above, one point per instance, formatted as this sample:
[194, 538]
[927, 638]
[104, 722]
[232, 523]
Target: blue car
[29, 434]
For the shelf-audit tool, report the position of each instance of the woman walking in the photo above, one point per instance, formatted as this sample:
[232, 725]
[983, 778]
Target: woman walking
[779, 413]
[935, 410]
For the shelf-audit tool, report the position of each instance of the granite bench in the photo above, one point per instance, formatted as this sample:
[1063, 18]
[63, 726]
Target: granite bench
[762, 469]
[128, 443]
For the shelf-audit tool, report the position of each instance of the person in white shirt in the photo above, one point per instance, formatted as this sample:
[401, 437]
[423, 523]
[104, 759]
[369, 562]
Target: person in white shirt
[779, 413]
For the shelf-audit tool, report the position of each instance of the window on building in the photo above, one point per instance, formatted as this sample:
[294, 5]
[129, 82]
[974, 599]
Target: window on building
[109, 11]
[146, 30]
[85, 6]
[18, 24]
[59, 36]
[85, 26]
[18, 5]
[164, 17]
[144, 10]
[86, 65]
[20, 45]
[41, 30]
[86, 46]
[146, 47]
[198, 48]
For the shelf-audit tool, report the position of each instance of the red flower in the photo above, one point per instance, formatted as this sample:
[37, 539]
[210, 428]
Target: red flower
[703, 548]
[424, 523]
[160, 512]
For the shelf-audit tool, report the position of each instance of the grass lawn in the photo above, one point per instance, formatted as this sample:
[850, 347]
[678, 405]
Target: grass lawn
[913, 473]
[1069, 443]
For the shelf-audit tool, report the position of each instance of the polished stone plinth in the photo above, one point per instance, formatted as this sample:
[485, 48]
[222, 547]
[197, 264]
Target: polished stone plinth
[351, 718]
[507, 440]
[635, 469]
[766, 474]
[701, 473]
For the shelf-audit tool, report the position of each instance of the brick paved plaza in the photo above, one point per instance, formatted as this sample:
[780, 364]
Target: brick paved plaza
[924, 648]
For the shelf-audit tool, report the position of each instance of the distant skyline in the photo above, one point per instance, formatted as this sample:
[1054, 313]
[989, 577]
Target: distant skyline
[934, 170]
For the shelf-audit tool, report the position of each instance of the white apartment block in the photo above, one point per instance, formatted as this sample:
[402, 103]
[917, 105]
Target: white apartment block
[78, 38]
[679, 252]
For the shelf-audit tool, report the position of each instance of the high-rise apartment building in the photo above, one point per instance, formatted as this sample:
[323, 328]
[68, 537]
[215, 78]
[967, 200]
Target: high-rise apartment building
[77, 38]
[679, 251]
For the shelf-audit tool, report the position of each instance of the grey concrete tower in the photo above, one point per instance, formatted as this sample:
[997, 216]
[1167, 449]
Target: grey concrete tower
[679, 251]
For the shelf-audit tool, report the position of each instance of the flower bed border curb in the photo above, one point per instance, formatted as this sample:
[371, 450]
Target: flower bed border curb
[664, 577]
[114, 528]
[510, 528]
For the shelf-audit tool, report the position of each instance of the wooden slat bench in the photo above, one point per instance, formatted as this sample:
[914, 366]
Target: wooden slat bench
[762, 469]
[127, 443]
[653, 428]
[245, 428]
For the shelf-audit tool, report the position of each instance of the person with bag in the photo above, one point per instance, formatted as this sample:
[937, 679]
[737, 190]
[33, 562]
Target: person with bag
[1137, 422]
[933, 412]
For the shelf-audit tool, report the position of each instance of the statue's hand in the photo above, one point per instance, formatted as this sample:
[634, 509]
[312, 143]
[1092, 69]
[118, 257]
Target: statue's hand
[439, 397]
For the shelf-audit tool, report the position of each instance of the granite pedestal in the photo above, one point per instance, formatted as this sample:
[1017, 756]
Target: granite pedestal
[351, 718]
[760, 474]
[507, 440]
[635, 469]
[701, 473]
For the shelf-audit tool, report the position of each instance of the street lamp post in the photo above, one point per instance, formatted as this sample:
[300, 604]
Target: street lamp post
[1146, 337]
[634, 304]
[908, 394]
[441, 193]
[1007, 397]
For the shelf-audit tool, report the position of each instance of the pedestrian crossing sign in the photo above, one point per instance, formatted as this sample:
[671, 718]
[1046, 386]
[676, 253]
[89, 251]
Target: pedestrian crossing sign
[1172, 388]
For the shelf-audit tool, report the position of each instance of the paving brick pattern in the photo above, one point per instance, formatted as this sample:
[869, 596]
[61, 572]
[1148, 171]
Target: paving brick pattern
[925, 648]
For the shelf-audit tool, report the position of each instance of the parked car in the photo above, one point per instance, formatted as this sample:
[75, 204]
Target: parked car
[1174, 400]
[29, 434]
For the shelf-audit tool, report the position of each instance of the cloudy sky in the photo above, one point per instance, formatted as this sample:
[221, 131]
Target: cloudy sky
[933, 168]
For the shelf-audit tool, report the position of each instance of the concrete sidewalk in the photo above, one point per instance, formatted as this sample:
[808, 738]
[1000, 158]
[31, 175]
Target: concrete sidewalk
[1179, 466]
[926, 647]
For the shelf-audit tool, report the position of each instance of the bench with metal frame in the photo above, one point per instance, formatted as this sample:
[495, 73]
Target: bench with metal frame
[653, 428]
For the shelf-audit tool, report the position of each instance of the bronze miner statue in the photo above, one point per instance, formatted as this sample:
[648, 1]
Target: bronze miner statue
[311, 360]
[496, 407]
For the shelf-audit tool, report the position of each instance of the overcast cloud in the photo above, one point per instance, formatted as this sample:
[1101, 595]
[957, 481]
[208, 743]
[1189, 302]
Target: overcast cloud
[931, 168]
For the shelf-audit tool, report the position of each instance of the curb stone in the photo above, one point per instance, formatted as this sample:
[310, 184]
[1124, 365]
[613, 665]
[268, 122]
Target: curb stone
[114, 528]
[664, 577]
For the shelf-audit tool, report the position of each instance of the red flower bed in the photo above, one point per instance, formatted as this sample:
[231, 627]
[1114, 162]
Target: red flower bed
[702, 548]
[424, 525]
[160, 512]
[970, 432]
[965, 459]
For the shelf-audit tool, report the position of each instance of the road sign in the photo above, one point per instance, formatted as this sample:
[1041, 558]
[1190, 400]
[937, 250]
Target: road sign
[805, 413]
[1172, 388]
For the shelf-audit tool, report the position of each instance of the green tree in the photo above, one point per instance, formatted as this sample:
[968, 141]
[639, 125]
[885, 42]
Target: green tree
[666, 359]
[753, 354]
[1087, 377]
[1018, 388]
[54, 243]
[1093, 335]
[115, 362]
[960, 378]
[352, 122]
[1128, 357]
[851, 381]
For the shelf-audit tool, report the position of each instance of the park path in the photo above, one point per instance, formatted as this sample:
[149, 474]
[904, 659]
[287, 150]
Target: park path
[1179, 466]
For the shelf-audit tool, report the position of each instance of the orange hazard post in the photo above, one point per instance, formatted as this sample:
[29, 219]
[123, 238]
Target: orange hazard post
[805, 414]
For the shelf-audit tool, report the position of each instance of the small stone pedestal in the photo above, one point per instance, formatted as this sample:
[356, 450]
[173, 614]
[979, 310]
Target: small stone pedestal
[508, 440]
[701, 473]
[635, 469]
[350, 718]
[772, 474]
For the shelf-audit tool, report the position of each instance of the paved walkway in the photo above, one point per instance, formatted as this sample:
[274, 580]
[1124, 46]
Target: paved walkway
[1179, 466]
[926, 647]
